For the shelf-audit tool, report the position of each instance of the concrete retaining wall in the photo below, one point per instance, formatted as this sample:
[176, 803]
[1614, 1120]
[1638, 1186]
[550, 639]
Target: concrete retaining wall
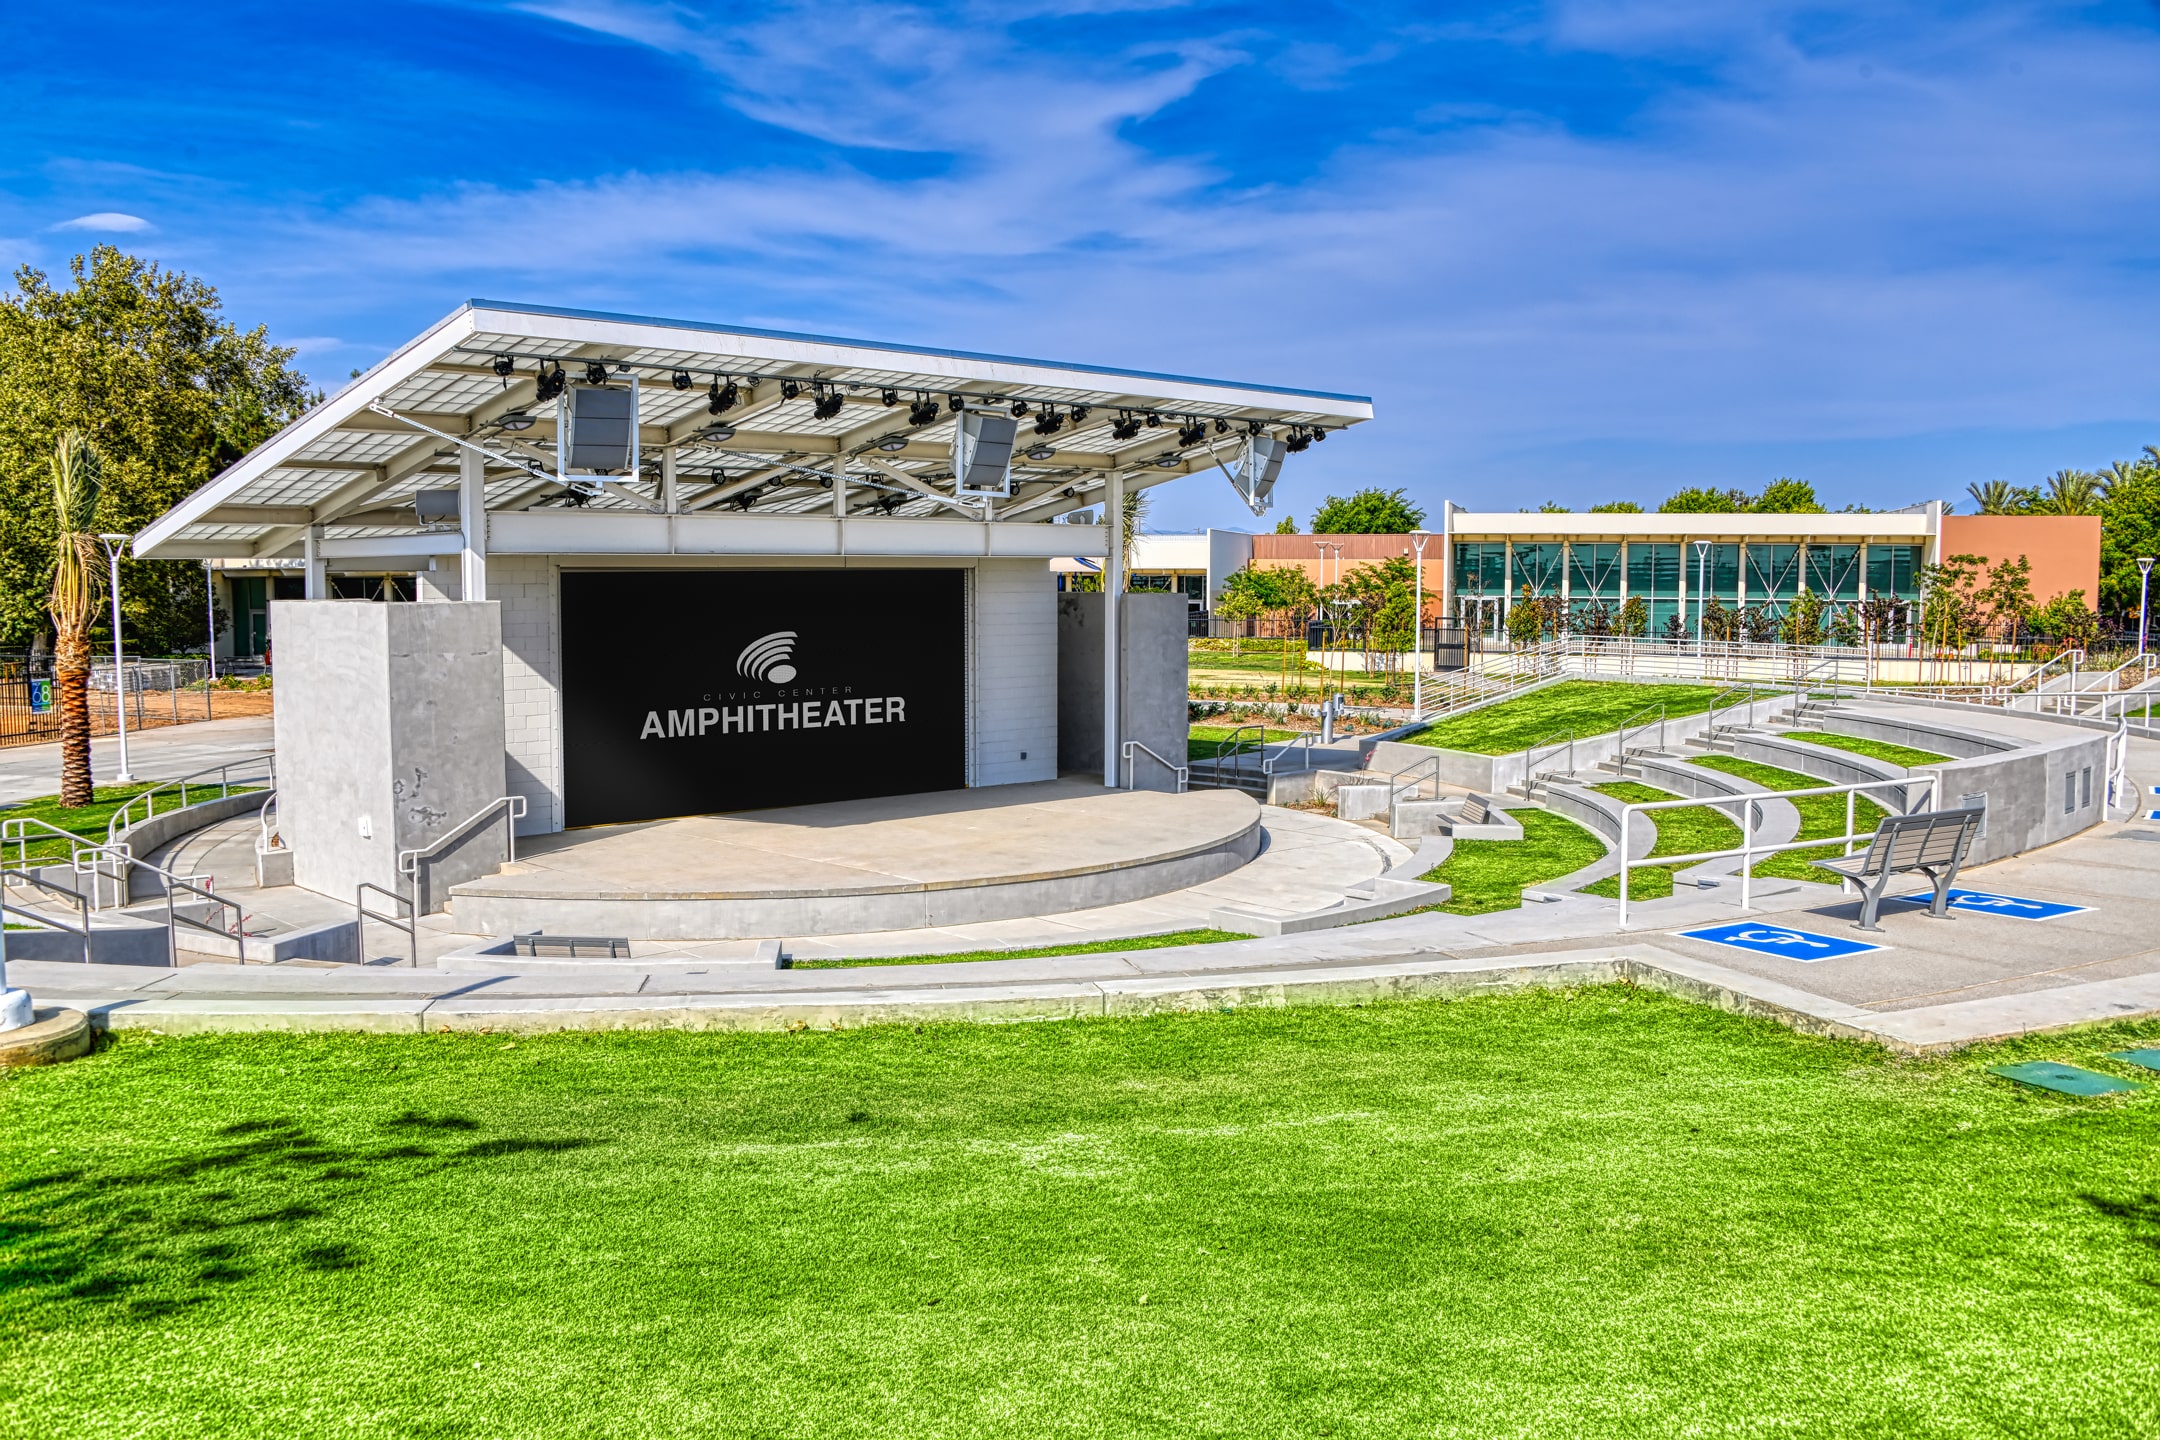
[2034, 796]
[1152, 688]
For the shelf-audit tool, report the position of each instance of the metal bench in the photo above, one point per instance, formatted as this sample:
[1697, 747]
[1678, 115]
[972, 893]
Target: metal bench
[1930, 842]
[614, 947]
[1477, 810]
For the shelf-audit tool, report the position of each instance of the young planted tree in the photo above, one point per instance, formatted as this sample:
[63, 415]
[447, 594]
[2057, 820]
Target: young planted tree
[2007, 598]
[1803, 622]
[75, 483]
[1635, 617]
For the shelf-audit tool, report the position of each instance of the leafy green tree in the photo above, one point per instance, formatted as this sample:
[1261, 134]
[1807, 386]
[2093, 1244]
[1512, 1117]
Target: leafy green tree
[1371, 511]
[2068, 619]
[1787, 497]
[1696, 500]
[1803, 620]
[1635, 617]
[1525, 620]
[1616, 507]
[142, 362]
[2129, 527]
[1950, 610]
[1287, 525]
[2006, 600]
[1554, 507]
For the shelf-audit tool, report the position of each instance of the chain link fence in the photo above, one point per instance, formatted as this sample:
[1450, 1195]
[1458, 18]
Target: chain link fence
[155, 692]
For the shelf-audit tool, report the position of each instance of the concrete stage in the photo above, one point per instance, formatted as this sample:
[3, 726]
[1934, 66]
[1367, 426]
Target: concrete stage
[949, 858]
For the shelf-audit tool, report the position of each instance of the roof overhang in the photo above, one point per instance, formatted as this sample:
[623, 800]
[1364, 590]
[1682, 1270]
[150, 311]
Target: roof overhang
[352, 470]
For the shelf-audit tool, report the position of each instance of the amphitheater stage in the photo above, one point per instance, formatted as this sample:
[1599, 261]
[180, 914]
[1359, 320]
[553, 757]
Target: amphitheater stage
[948, 858]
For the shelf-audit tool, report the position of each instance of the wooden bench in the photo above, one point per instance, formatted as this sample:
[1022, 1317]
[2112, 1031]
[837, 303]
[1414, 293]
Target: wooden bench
[1930, 842]
[614, 947]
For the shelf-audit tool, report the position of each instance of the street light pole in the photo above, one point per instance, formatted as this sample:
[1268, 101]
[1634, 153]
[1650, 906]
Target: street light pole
[1417, 626]
[112, 556]
[210, 611]
[1702, 556]
[2145, 564]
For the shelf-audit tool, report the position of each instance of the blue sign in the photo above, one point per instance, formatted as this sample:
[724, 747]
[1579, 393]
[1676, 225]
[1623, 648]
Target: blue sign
[41, 697]
[1766, 939]
[2014, 906]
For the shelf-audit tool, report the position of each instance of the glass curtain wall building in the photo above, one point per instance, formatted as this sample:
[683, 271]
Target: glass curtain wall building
[1751, 566]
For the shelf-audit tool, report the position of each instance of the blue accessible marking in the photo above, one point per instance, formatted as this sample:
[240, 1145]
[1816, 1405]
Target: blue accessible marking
[1778, 940]
[2016, 907]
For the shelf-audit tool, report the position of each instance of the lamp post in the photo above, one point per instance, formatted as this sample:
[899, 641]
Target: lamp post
[112, 556]
[2145, 564]
[1702, 557]
[209, 584]
[1417, 625]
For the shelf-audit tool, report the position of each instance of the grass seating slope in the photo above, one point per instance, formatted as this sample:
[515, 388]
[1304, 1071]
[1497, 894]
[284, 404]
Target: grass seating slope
[1585, 1212]
[1820, 816]
[1873, 749]
[1589, 707]
[1688, 831]
[1489, 875]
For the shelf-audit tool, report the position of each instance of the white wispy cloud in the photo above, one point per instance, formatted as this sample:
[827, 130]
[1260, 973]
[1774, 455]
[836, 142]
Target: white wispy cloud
[112, 221]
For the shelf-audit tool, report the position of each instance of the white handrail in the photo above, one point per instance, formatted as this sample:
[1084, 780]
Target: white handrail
[120, 822]
[1750, 804]
[1180, 771]
[408, 861]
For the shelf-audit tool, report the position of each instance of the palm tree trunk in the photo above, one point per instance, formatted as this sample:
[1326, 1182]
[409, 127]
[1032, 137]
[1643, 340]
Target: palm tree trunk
[71, 677]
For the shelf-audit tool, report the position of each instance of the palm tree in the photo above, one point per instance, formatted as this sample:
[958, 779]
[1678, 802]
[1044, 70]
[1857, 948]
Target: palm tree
[1136, 508]
[1994, 497]
[75, 476]
[2073, 492]
[2119, 472]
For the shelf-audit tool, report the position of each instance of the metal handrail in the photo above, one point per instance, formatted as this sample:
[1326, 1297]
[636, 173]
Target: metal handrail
[1751, 805]
[1305, 741]
[236, 932]
[409, 923]
[1231, 747]
[269, 838]
[31, 877]
[1751, 692]
[1658, 710]
[409, 861]
[120, 823]
[1530, 756]
[1182, 772]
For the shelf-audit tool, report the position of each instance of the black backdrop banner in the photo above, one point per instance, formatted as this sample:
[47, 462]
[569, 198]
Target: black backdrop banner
[687, 692]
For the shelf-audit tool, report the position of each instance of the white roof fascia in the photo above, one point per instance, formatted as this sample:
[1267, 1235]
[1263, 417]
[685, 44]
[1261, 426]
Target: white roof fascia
[280, 450]
[957, 370]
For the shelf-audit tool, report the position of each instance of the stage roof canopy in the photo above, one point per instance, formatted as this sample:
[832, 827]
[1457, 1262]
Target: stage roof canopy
[354, 464]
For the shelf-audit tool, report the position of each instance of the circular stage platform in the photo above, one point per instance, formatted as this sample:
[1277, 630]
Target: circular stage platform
[909, 861]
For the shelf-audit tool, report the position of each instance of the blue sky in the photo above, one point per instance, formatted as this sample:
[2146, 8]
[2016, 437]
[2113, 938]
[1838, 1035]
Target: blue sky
[1579, 251]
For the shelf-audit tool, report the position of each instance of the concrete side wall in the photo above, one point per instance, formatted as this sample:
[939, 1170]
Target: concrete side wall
[1015, 672]
[525, 587]
[332, 723]
[2025, 793]
[1941, 736]
[1152, 691]
[445, 679]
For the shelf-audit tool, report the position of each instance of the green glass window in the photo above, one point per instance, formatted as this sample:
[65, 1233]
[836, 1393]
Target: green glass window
[1537, 566]
[1594, 572]
[1715, 568]
[1773, 572]
[1891, 570]
[1481, 568]
[1833, 571]
[1653, 569]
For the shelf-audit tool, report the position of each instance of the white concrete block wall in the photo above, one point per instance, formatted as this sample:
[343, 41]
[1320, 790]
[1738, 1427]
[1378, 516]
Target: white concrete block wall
[532, 676]
[1015, 625]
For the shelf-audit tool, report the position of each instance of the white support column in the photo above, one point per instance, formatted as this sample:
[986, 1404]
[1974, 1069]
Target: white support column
[839, 487]
[670, 494]
[1113, 584]
[472, 521]
[318, 574]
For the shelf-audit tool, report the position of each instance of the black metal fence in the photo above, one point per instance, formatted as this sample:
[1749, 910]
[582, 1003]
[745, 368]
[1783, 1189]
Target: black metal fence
[155, 692]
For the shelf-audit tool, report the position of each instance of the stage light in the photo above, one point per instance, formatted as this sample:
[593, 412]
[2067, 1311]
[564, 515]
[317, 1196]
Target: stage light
[1298, 440]
[506, 365]
[1079, 414]
[596, 372]
[1153, 419]
[1049, 423]
[959, 403]
[890, 397]
[1040, 452]
[1019, 408]
[1191, 434]
[516, 420]
[789, 389]
[723, 397]
[1254, 429]
[551, 383]
[1222, 426]
[1319, 432]
[893, 444]
[923, 411]
[1126, 426]
[681, 380]
[829, 403]
[717, 434]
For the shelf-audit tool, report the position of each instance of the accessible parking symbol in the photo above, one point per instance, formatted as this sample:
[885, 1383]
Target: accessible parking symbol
[2015, 907]
[1803, 945]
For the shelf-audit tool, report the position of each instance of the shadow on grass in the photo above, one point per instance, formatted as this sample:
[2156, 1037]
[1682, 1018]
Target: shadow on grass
[2141, 1217]
[148, 1243]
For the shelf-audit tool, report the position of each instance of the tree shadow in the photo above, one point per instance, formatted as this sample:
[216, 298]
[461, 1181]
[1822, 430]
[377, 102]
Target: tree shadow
[2141, 1217]
[147, 1242]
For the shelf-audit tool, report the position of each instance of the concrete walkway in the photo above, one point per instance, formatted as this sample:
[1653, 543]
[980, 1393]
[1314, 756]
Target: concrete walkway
[167, 753]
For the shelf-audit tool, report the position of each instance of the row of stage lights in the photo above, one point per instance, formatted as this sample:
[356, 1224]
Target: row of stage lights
[828, 400]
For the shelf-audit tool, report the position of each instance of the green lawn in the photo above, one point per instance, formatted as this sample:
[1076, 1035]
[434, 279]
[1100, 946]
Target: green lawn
[1589, 707]
[1874, 749]
[1490, 875]
[1820, 815]
[1204, 742]
[88, 821]
[1679, 832]
[1082, 947]
[1591, 1213]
